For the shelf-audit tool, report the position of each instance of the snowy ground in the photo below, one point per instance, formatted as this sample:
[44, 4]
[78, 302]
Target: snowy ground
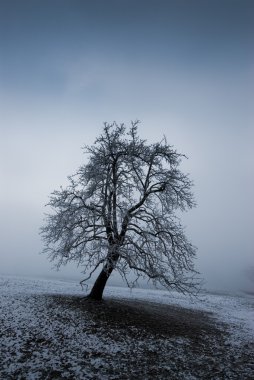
[47, 331]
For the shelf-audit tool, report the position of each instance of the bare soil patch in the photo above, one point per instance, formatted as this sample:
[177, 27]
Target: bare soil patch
[153, 318]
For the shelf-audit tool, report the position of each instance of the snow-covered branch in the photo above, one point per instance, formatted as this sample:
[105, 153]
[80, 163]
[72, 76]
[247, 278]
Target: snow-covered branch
[119, 211]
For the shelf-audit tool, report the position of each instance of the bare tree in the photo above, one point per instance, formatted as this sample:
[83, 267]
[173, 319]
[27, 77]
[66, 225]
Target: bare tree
[119, 212]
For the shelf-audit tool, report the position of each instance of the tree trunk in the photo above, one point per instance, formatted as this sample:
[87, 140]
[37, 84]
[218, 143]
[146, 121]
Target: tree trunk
[99, 285]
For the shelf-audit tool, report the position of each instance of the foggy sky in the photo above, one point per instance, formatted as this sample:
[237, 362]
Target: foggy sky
[184, 68]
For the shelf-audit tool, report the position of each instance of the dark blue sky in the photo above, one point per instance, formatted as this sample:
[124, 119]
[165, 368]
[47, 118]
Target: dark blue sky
[184, 68]
[37, 37]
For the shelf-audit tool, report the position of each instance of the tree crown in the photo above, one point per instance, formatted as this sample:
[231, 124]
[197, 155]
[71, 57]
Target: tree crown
[120, 208]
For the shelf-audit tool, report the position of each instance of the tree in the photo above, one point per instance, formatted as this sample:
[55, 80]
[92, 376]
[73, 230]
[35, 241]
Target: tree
[119, 213]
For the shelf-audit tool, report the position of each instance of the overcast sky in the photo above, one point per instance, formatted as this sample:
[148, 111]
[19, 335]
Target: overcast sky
[183, 67]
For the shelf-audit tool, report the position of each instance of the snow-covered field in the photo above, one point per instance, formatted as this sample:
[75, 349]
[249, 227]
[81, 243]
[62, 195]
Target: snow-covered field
[48, 331]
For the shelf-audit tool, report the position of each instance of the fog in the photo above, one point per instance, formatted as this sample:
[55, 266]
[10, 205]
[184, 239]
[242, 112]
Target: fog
[184, 68]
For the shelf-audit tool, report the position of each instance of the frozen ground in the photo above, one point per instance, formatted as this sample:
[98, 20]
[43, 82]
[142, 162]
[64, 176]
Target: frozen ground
[47, 331]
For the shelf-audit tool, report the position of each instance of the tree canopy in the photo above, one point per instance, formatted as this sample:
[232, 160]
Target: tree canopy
[120, 212]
